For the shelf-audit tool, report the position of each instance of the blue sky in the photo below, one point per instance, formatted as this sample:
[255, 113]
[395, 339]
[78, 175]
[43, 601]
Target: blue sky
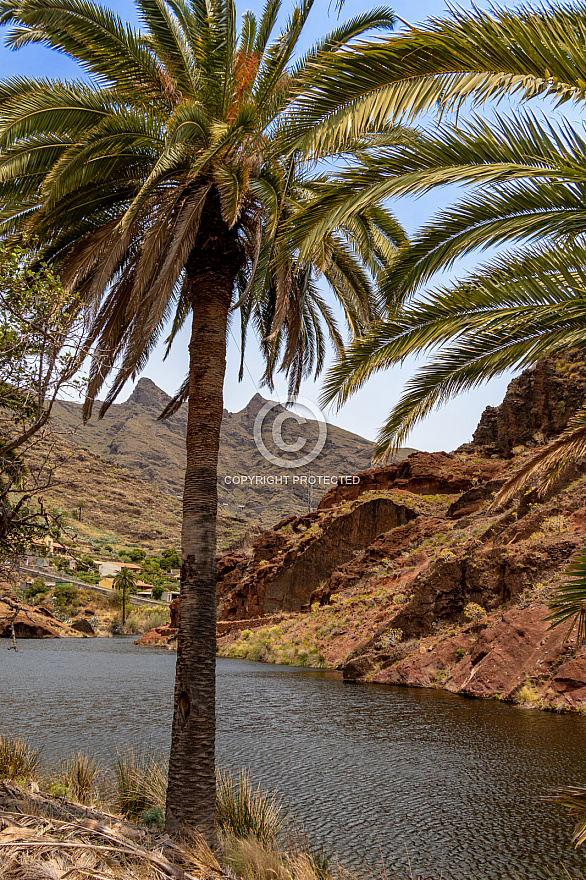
[445, 429]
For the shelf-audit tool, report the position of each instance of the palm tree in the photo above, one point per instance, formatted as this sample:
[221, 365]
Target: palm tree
[528, 179]
[164, 187]
[125, 580]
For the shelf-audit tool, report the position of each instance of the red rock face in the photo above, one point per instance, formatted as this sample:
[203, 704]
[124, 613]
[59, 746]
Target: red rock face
[504, 655]
[538, 405]
[32, 623]
[174, 609]
[288, 564]
[423, 473]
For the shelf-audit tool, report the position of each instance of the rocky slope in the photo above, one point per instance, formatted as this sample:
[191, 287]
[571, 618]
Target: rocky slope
[131, 437]
[117, 506]
[408, 578]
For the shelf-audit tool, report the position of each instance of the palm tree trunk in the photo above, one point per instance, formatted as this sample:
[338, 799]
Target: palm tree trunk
[191, 793]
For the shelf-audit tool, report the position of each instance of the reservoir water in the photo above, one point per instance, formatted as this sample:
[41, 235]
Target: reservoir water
[367, 769]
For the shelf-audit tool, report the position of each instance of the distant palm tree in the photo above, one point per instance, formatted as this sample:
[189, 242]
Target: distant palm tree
[165, 187]
[125, 581]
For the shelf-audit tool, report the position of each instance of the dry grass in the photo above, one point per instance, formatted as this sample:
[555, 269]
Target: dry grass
[244, 811]
[52, 840]
[18, 760]
[252, 859]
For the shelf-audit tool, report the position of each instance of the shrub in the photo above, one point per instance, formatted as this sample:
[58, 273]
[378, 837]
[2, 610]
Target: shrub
[115, 599]
[65, 594]
[88, 562]
[170, 559]
[37, 590]
[460, 653]
[18, 760]
[157, 592]
[143, 619]
[474, 612]
[90, 577]
[154, 817]
[244, 811]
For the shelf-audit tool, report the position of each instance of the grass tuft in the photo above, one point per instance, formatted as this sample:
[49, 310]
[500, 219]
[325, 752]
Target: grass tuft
[141, 783]
[246, 812]
[18, 760]
[79, 775]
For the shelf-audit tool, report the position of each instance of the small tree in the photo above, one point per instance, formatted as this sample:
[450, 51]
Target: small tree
[40, 355]
[37, 590]
[125, 581]
[170, 559]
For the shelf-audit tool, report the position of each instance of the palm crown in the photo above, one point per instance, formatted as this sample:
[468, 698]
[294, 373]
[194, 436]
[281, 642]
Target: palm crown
[166, 186]
[527, 179]
[179, 122]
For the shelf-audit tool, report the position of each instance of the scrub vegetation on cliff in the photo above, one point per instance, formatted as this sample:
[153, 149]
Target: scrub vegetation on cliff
[411, 577]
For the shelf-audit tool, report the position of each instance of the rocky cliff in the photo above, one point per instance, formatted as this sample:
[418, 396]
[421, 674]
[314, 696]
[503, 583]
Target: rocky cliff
[538, 405]
[407, 578]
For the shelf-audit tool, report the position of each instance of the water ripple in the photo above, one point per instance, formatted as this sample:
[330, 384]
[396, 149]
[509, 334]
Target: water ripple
[367, 769]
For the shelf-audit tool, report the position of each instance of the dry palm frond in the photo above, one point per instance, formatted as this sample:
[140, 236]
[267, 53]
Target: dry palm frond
[574, 798]
[41, 846]
[548, 463]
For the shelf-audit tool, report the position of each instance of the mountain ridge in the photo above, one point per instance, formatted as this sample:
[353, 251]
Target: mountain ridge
[131, 435]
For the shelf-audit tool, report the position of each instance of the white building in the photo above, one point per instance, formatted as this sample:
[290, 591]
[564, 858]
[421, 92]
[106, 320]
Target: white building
[106, 569]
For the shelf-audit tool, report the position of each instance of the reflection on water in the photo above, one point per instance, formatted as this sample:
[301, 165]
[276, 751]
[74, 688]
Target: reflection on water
[455, 781]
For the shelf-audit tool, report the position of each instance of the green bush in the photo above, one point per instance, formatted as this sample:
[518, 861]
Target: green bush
[154, 817]
[65, 594]
[87, 562]
[90, 577]
[37, 590]
[170, 559]
[157, 592]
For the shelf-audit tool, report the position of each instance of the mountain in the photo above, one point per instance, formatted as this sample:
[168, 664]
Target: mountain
[249, 485]
[118, 508]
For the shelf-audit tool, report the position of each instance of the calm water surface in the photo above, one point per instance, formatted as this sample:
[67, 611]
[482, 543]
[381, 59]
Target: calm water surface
[455, 781]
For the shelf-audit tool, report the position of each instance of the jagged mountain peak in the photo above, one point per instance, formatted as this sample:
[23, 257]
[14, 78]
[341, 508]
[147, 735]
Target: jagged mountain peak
[147, 393]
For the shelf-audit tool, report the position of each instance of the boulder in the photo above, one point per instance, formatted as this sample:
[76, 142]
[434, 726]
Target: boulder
[83, 626]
